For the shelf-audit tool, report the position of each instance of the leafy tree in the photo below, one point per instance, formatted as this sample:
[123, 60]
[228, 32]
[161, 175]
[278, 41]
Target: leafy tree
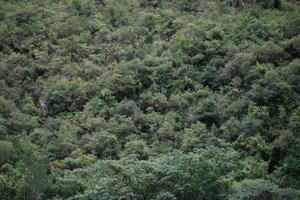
[138, 147]
[65, 97]
[104, 145]
[258, 189]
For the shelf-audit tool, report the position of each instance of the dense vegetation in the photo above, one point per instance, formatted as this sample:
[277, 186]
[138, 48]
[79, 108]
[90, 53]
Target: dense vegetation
[149, 99]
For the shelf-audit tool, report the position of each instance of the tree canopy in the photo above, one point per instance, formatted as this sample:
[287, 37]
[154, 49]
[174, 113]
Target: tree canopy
[149, 99]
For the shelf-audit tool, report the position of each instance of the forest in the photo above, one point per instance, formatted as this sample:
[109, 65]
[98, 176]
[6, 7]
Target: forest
[149, 100]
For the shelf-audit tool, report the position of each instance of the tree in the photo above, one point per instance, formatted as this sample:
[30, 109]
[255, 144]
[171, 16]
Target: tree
[65, 96]
[261, 190]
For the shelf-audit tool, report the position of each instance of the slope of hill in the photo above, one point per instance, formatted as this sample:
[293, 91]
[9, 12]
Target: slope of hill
[149, 99]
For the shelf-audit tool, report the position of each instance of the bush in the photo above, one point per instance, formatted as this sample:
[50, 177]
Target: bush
[65, 96]
[138, 147]
[104, 145]
[127, 108]
[8, 153]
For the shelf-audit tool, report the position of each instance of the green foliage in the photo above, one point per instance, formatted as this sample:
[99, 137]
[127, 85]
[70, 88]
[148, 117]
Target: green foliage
[5, 107]
[99, 97]
[104, 145]
[128, 108]
[165, 132]
[98, 108]
[258, 189]
[67, 186]
[138, 147]
[181, 176]
[29, 173]
[8, 153]
[65, 97]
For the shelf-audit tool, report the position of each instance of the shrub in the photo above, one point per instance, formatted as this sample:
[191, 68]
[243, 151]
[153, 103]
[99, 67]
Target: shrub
[65, 96]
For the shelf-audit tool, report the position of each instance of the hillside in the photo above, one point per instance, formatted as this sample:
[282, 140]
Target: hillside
[149, 100]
